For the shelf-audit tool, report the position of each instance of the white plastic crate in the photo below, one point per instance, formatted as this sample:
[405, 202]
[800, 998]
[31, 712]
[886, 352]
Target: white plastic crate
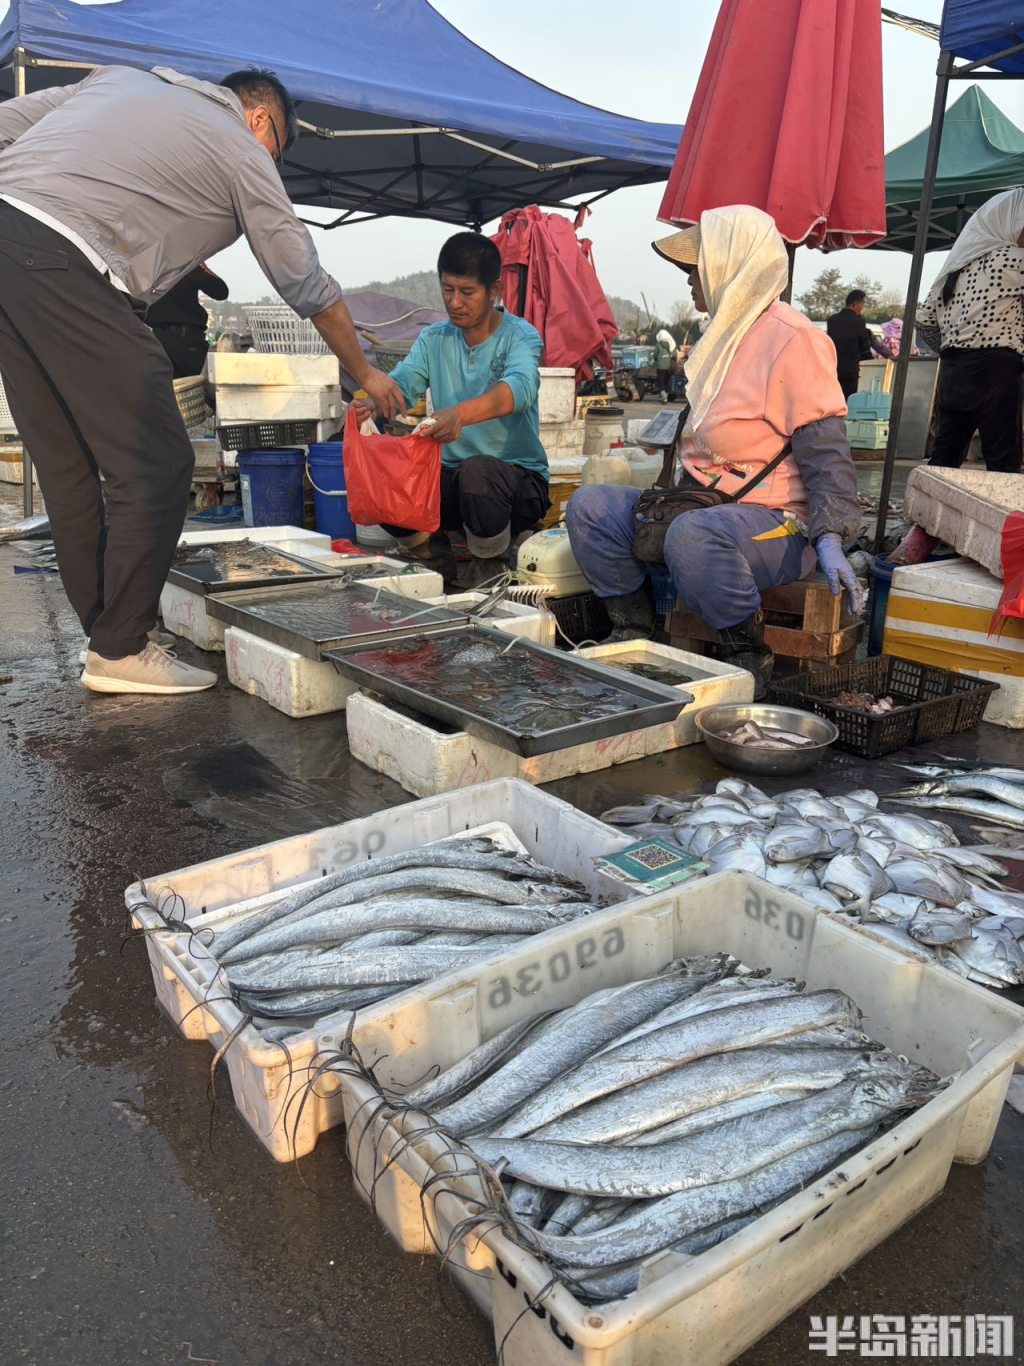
[285, 1114]
[283, 678]
[255, 367]
[427, 758]
[556, 400]
[514, 618]
[722, 683]
[704, 1310]
[867, 434]
[278, 330]
[7, 423]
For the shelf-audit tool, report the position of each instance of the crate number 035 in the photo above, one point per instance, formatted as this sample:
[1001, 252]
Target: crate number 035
[557, 967]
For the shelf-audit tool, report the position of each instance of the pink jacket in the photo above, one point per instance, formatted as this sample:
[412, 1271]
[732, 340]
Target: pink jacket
[783, 376]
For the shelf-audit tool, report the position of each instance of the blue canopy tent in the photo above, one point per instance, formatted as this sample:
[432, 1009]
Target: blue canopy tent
[400, 113]
[989, 36]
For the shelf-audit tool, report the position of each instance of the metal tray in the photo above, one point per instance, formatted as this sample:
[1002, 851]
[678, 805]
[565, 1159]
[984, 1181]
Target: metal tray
[338, 614]
[437, 677]
[226, 566]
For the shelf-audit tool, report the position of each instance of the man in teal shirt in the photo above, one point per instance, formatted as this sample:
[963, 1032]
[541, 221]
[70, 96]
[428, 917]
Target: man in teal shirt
[482, 371]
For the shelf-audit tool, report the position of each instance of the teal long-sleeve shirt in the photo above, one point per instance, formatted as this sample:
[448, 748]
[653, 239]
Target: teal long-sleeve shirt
[441, 361]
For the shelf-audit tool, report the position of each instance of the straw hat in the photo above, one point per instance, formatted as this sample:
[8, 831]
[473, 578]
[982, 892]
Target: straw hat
[681, 248]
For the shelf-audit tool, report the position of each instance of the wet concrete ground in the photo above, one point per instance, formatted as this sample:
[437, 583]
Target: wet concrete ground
[135, 1229]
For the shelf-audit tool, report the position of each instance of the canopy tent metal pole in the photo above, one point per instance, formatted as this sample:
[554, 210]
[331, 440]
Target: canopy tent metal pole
[27, 491]
[899, 385]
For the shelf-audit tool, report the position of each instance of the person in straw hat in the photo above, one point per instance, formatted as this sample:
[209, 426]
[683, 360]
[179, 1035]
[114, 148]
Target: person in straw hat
[760, 378]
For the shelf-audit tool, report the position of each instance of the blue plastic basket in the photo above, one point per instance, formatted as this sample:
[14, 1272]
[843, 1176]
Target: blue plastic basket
[664, 593]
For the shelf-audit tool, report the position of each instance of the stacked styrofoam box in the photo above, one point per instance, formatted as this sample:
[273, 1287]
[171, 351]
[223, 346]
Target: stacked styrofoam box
[272, 1086]
[514, 618]
[557, 397]
[713, 682]
[706, 1309]
[942, 614]
[563, 440]
[284, 679]
[966, 508]
[251, 387]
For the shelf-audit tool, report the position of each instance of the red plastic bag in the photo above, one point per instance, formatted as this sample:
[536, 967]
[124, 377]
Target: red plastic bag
[393, 479]
[1011, 552]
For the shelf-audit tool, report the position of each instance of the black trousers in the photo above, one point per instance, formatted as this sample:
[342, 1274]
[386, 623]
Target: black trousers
[485, 495]
[90, 390]
[186, 347]
[849, 383]
[979, 391]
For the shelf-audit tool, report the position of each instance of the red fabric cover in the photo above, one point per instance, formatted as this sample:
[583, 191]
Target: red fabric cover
[564, 298]
[787, 116]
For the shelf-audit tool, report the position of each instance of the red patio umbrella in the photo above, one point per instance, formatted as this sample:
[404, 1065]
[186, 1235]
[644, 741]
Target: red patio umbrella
[787, 116]
[548, 278]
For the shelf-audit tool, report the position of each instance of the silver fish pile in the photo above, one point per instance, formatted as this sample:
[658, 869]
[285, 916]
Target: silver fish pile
[666, 1113]
[904, 874]
[358, 936]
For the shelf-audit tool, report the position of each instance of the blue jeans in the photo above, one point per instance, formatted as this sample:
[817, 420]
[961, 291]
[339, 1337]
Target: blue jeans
[716, 557]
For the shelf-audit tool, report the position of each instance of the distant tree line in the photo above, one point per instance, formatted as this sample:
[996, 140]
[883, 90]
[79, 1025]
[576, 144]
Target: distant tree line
[828, 294]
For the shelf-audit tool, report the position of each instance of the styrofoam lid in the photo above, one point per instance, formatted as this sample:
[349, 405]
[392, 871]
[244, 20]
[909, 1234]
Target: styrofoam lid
[960, 581]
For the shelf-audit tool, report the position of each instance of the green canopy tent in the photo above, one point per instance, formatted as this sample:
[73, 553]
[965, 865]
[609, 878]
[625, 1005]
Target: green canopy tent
[982, 152]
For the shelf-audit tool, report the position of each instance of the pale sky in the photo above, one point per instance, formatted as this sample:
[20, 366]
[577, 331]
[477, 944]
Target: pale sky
[642, 61]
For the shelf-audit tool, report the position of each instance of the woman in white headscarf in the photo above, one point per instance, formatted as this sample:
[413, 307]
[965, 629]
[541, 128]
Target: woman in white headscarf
[761, 377]
[974, 317]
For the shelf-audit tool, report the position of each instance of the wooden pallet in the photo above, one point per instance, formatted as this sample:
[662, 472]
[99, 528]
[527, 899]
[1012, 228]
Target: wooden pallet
[804, 623]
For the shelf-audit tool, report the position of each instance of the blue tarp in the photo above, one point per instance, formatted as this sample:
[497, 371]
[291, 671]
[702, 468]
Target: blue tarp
[364, 68]
[975, 29]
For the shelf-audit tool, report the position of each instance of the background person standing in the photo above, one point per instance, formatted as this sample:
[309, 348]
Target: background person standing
[112, 190]
[178, 319]
[852, 340]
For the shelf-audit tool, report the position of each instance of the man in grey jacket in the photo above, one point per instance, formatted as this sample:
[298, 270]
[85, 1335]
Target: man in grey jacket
[111, 191]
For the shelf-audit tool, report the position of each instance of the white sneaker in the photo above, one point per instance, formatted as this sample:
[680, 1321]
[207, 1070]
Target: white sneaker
[155, 670]
[163, 638]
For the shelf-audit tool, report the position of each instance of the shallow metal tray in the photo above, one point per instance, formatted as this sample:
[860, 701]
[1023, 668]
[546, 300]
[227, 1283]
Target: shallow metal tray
[336, 614]
[428, 675]
[227, 566]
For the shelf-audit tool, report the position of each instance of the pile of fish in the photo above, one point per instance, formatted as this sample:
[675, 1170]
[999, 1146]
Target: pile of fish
[360, 935]
[666, 1113]
[904, 874]
[866, 702]
[765, 737]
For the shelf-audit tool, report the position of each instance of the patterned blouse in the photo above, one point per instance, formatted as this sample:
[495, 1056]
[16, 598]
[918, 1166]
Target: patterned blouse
[987, 307]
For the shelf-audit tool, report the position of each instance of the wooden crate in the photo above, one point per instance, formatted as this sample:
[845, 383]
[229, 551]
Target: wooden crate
[804, 623]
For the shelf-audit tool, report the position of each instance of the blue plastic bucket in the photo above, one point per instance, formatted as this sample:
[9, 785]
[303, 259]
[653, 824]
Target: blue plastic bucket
[271, 486]
[330, 501]
[881, 581]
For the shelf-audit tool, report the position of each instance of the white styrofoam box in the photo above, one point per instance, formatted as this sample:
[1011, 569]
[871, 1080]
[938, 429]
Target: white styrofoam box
[257, 367]
[563, 438]
[703, 1310]
[514, 618]
[271, 1091]
[427, 759]
[721, 682]
[941, 614]
[278, 403]
[966, 508]
[286, 680]
[289, 538]
[184, 613]
[557, 397]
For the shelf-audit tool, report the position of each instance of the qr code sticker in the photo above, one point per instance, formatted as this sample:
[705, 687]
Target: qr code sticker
[651, 857]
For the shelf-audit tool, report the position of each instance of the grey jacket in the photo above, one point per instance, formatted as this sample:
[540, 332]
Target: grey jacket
[157, 172]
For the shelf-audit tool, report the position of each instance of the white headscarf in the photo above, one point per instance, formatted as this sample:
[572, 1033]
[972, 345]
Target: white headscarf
[998, 223]
[666, 338]
[743, 268]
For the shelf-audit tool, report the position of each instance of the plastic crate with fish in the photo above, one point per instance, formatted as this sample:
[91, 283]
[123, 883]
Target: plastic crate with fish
[930, 703]
[709, 1307]
[271, 1086]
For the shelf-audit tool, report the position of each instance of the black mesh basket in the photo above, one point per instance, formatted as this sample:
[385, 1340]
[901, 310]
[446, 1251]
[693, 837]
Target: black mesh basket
[932, 702]
[267, 436]
[581, 616]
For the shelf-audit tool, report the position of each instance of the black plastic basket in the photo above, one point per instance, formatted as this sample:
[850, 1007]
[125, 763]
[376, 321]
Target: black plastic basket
[581, 616]
[932, 702]
[266, 436]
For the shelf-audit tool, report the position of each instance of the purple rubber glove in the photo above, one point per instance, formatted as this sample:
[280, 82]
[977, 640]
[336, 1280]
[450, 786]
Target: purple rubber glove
[838, 570]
